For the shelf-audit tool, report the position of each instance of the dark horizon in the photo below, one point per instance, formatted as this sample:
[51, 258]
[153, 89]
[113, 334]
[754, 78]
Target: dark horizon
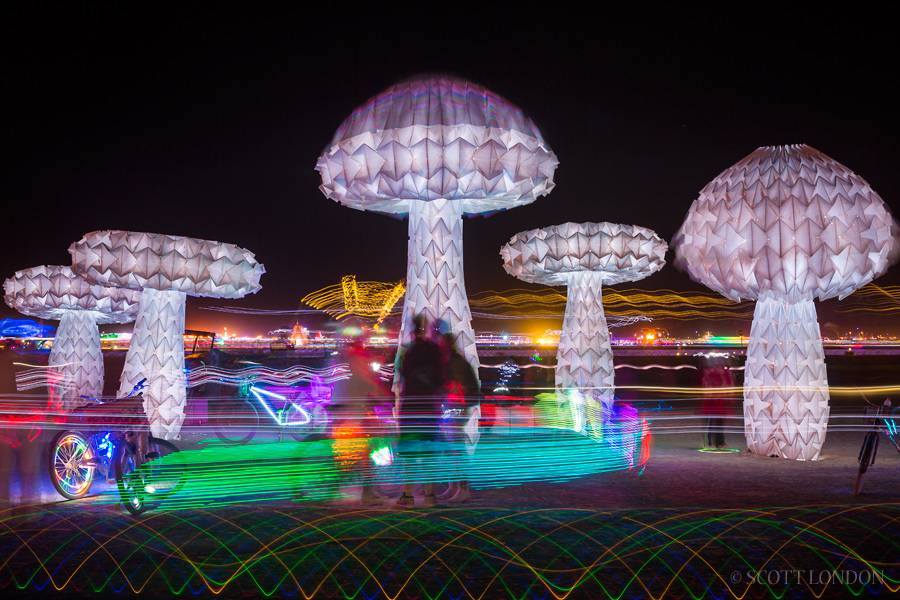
[212, 130]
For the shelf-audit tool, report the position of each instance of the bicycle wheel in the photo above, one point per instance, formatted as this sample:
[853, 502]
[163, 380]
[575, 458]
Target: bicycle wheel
[143, 484]
[234, 421]
[165, 476]
[71, 464]
[315, 425]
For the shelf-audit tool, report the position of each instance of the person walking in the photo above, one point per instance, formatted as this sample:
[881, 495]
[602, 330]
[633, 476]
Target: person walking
[353, 403]
[715, 376]
[461, 400]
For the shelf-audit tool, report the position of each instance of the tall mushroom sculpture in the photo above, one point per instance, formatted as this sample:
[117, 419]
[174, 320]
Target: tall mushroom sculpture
[783, 226]
[584, 257]
[55, 292]
[437, 148]
[166, 269]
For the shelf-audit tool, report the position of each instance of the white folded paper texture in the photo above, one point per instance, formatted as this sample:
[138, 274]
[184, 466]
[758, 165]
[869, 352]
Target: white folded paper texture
[784, 226]
[584, 257]
[57, 293]
[436, 148]
[166, 269]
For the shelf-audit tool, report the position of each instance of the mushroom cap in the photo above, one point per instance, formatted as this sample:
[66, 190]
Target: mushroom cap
[49, 291]
[436, 137]
[550, 255]
[788, 220]
[195, 267]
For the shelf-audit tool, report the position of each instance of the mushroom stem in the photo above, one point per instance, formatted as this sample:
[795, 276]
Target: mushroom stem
[434, 278]
[76, 360]
[156, 353]
[785, 382]
[584, 359]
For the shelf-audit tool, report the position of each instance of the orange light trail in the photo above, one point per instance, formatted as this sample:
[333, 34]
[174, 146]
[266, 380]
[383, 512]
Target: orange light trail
[873, 299]
[655, 304]
[372, 299]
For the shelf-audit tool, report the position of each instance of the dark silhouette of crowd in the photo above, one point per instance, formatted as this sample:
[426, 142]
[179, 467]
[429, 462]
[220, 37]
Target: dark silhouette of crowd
[434, 383]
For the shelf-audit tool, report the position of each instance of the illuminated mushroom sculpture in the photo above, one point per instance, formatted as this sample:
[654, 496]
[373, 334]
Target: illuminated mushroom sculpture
[784, 226]
[434, 149]
[584, 257]
[165, 269]
[55, 292]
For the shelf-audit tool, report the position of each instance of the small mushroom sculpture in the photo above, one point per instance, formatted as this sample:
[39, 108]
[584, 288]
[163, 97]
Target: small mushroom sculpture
[584, 257]
[436, 148]
[165, 269]
[55, 292]
[783, 226]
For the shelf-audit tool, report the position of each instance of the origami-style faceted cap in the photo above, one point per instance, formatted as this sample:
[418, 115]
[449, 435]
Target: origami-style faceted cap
[788, 220]
[436, 137]
[550, 255]
[166, 262]
[49, 291]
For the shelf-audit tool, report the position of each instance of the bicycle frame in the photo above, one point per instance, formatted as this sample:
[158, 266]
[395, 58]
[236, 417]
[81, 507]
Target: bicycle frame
[882, 421]
[101, 447]
[281, 415]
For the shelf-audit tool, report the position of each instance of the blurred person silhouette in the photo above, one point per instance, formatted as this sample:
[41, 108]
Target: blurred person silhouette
[715, 374]
[353, 405]
[215, 399]
[417, 408]
[21, 464]
[461, 402]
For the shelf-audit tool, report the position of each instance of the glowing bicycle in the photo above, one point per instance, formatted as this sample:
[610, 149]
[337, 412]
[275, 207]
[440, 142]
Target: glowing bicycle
[298, 412]
[89, 448]
[884, 421]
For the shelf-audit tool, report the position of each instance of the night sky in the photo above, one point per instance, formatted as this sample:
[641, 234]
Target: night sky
[191, 125]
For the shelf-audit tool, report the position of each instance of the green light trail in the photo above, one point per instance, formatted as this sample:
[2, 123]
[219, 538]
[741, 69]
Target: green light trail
[314, 471]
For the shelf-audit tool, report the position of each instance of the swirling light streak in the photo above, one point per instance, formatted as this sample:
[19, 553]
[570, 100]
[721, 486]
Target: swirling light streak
[666, 415]
[258, 373]
[31, 379]
[631, 305]
[38, 376]
[313, 471]
[262, 312]
[34, 406]
[387, 370]
[705, 391]
[43, 376]
[374, 299]
[453, 553]
[623, 366]
[525, 366]
[872, 298]
[612, 321]
[654, 366]
[630, 302]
